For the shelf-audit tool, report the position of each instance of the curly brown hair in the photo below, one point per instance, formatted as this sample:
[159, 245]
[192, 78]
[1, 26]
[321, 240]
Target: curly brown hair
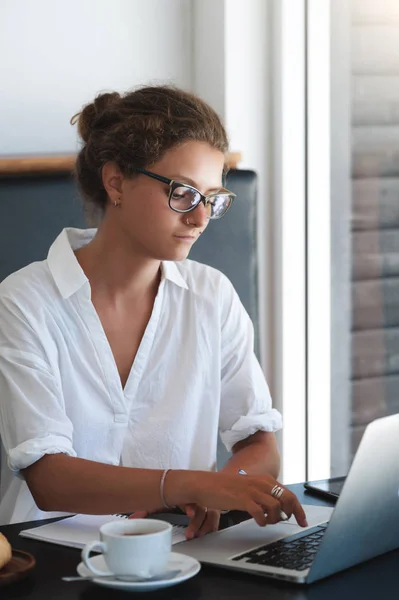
[136, 129]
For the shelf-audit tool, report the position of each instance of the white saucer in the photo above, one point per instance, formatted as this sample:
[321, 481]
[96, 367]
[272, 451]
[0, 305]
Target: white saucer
[187, 566]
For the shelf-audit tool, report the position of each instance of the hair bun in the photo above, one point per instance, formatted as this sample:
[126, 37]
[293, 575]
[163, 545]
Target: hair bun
[92, 112]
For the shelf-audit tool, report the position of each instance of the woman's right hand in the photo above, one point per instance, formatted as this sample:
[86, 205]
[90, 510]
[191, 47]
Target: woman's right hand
[220, 491]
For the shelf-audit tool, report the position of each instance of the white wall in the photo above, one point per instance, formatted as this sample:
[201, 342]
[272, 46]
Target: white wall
[231, 71]
[57, 55]
[209, 56]
[248, 108]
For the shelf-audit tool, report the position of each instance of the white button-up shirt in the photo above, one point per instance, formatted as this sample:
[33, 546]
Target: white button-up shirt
[194, 374]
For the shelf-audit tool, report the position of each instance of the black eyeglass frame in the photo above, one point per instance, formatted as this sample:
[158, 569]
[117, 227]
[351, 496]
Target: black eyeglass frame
[173, 185]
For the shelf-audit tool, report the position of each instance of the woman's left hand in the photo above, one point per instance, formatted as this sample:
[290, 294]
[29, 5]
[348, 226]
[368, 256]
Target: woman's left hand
[202, 520]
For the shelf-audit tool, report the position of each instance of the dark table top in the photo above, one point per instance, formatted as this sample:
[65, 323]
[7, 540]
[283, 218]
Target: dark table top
[367, 581]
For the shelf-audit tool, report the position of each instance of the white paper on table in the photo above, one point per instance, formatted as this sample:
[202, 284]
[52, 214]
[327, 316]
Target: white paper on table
[79, 530]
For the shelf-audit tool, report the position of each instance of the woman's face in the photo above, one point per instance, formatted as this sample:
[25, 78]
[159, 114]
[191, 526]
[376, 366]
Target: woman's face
[146, 222]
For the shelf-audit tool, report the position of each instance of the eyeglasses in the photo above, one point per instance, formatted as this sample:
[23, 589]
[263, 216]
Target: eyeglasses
[184, 198]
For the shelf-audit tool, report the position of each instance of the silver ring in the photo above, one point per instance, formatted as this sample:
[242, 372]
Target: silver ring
[277, 492]
[188, 222]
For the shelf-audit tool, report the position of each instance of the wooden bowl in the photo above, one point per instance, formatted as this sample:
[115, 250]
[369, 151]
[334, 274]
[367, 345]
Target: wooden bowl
[17, 568]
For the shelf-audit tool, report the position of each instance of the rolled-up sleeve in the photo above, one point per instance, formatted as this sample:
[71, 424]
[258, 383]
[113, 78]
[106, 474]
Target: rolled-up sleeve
[32, 416]
[246, 405]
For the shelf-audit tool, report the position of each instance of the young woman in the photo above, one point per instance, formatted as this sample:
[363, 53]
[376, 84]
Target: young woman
[120, 360]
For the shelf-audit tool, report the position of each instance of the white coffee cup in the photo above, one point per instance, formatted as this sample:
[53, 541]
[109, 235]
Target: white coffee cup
[132, 547]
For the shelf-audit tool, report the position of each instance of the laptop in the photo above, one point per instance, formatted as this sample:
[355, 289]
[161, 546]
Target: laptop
[363, 524]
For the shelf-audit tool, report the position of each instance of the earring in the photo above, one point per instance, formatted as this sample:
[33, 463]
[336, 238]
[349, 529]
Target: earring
[117, 204]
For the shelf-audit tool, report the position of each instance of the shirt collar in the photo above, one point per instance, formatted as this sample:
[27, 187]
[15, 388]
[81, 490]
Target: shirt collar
[68, 274]
[62, 262]
[170, 271]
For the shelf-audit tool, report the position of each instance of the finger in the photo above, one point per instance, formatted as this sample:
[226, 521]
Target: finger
[291, 506]
[139, 514]
[272, 520]
[299, 514]
[211, 522]
[189, 509]
[286, 507]
[196, 522]
[287, 501]
[258, 513]
[271, 507]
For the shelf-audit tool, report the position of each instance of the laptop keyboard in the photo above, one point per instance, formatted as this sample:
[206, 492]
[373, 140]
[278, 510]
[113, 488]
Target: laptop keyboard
[295, 552]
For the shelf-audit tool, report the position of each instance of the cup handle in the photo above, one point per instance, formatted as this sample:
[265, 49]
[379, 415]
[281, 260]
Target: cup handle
[100, 547]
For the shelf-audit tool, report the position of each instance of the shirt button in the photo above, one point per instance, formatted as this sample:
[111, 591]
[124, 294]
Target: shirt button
[120, 418]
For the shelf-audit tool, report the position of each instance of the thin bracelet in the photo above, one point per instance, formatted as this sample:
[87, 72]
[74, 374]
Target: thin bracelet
[161, 486]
